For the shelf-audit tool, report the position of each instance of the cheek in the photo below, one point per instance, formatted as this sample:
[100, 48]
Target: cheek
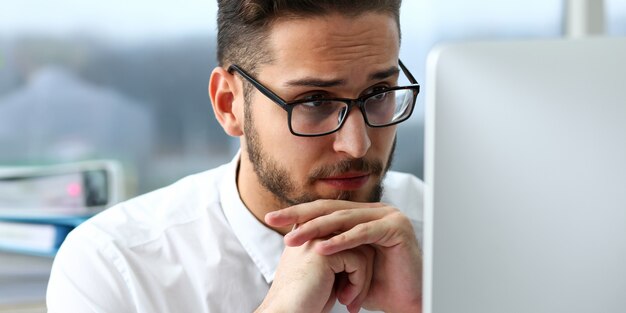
[293, 153]
[382, 140]
[270, 121]
[301, 154]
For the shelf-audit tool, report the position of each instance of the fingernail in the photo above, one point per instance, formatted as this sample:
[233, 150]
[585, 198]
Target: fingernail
[271, 214]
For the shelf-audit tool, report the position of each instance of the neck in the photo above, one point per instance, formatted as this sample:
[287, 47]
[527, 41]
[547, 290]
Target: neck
[254, 196]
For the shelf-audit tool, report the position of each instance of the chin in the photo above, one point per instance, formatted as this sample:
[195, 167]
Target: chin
[369, 195]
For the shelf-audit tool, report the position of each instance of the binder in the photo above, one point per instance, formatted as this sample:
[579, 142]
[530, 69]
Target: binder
[35, 236]
[40, 205]
[80, 188]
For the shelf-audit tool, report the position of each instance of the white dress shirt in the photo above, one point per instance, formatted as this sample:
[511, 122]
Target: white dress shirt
[190, 247]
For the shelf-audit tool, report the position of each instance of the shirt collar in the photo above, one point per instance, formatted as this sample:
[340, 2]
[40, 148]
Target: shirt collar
[263, 245]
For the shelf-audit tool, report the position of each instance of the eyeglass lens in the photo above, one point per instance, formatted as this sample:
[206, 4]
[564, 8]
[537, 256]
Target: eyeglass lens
[323, 116]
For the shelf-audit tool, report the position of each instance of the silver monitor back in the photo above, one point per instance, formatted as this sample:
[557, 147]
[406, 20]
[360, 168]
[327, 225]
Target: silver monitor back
[526, 177]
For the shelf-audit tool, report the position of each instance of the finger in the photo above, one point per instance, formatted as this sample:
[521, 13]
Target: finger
[349, 291]
[305, 212]
[333, 223]
[330, 303]
[341, 281]
[352, 285]
[354, 263]
[370, 254]
[376, 232]
[392, 230]
[353, 307]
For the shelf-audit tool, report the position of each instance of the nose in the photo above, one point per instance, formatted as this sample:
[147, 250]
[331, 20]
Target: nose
[353, 139]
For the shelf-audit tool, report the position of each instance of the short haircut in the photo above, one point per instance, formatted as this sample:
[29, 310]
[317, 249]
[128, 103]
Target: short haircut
[243, 25]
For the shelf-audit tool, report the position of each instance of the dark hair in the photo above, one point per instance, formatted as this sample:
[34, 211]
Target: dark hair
[242, 25]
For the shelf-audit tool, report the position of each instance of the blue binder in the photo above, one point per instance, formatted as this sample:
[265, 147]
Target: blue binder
[36, 236]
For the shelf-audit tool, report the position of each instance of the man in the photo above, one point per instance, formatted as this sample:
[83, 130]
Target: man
[311, 168]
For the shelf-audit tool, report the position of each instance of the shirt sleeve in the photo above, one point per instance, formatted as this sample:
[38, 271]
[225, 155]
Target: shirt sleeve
[85, 277]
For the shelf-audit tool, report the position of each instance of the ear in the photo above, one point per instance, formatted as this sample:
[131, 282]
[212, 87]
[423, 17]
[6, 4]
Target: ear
[227, 100]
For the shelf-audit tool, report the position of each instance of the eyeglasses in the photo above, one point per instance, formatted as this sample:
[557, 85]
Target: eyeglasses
[319, 117]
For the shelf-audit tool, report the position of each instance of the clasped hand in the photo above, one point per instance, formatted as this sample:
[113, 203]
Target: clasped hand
[362, 254]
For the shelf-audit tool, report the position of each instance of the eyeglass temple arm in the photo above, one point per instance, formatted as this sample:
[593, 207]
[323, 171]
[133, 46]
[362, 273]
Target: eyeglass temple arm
[258, 86]
[407, 73]
[282, 102]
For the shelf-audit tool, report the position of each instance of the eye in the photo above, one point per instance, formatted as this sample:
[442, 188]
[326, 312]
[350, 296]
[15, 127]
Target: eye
[378, 92]
[314, 96]
[315, 100]
[378, 89]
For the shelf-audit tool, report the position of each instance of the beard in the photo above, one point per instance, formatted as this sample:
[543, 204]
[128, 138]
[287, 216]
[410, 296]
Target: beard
[276, 179]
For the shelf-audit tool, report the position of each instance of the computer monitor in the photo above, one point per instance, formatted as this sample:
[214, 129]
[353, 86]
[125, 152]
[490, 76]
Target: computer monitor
[526, 177]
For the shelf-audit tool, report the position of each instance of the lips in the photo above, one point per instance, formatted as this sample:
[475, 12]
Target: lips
[347, 181]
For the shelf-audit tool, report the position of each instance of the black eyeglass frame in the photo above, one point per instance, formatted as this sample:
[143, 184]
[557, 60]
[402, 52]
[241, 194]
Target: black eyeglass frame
[359, 102]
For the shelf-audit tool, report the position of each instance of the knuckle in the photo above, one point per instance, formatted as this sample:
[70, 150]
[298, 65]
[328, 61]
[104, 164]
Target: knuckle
[341, 238]
[402, 224]
[324, 206]
[342, 213]
[389, 211]
[316, 232]
[363, 231]
[323, 202]
[397, 217]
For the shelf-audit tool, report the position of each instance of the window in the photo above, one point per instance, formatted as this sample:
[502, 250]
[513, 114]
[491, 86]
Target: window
[128, 80]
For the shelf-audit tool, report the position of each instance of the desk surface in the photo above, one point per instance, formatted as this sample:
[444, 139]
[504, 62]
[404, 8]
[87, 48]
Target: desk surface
[23, 282]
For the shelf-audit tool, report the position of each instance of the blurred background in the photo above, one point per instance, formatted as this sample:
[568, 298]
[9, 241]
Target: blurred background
[127, 80]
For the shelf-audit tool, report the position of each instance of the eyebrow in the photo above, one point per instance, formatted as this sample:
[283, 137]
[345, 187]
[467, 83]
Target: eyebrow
[321, 83]
[384, 74]
[315, 82]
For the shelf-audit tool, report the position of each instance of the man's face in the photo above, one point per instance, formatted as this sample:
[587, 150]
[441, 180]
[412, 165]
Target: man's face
[330, 56]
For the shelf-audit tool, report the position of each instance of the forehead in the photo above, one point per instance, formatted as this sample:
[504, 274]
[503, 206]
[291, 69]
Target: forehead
[334, 43]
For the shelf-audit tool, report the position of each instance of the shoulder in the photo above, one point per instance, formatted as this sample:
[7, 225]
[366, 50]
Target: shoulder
[406, 193]
[116, 253]
[397, 181]
[146, 217]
